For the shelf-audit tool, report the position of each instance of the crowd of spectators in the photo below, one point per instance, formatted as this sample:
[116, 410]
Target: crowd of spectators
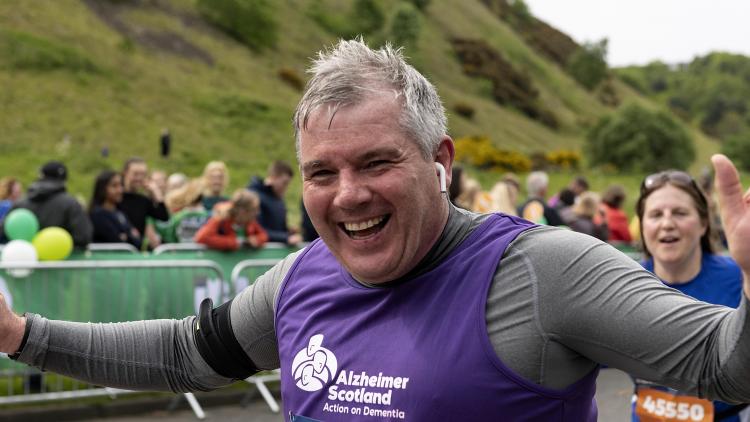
[146, 209]
[600, 215]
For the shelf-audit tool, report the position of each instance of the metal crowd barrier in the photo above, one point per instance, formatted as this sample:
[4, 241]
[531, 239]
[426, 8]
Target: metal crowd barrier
[257, 267]
[196, 247]
[112, 247]
[100, 291]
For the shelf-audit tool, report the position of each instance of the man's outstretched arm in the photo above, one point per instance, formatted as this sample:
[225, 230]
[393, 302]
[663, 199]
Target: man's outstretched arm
[155, 355]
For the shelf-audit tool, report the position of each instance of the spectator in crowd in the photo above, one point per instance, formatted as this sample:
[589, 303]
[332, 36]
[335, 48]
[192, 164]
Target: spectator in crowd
[11, 191]
[215, 182]
[137, 206]
[175, 181]
[110, 224]
[578, 185]
[469, 192]
[48, 199]
[156, 229]
[503, 197]
[165, 143]
[188, 215]
[308, 230]
[585, 210]
[233, 224]
[271, 191]
[159, 179]
[676, 228]
[564, 207]
[535, 208]
[615, 217]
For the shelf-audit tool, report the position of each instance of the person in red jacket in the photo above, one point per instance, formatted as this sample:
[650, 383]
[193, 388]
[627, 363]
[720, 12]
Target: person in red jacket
[233, 224]
[615, 217]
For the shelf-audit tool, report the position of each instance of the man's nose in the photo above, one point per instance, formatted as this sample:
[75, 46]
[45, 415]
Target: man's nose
[352, 191]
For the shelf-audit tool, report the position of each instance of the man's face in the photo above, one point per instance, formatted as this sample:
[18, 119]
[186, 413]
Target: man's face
[279, 184]
[135, 177]
[371, 196]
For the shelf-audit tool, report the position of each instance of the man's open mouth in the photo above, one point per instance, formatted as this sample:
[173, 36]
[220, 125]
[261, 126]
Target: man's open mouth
[365, 228]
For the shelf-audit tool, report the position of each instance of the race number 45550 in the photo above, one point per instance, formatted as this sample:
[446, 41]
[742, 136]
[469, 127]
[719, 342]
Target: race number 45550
[660, 406]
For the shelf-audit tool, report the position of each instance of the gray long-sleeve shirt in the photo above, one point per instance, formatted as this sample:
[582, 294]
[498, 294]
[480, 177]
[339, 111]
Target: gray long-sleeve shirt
[560, 303]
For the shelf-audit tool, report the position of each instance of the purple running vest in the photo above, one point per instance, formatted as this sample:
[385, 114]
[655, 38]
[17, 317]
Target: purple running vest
[418, 351]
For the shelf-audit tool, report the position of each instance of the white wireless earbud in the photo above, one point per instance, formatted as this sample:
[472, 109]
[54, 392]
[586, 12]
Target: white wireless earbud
[441, 170]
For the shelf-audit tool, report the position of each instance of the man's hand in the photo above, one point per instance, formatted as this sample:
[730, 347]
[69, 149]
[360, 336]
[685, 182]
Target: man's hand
[735, 214]
[12, 328]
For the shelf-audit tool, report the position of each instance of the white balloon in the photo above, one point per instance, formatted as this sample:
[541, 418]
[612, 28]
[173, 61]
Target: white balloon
[19, 252]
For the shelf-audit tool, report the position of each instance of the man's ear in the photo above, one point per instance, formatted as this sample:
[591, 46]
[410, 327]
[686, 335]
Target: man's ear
[445, 154]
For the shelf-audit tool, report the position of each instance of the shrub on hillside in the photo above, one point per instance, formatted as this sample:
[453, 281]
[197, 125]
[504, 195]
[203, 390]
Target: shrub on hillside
[464, 109]
[367, 16]
[637, 139]
[252, 22]
[564, 159]
[588, 65]
[420, 4]
[20, 50]
[405, 25]
[737, 148]
[478, 151]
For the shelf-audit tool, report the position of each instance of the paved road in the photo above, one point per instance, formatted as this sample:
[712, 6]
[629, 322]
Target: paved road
[613, 396]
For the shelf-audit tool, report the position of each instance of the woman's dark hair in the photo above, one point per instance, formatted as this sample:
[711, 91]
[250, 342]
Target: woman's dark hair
[687, 184]
[100, 188]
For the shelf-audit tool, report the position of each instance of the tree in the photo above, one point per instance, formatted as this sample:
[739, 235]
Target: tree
[405, 25]
[637, 139]
[368, 16]
[252, 22]
[588, 65]
[737, 148]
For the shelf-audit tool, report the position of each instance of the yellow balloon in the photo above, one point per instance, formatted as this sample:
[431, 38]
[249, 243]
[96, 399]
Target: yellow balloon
[52, 244]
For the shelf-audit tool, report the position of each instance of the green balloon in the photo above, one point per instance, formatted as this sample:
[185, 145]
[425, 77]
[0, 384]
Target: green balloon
[52, 244]
[21, 224]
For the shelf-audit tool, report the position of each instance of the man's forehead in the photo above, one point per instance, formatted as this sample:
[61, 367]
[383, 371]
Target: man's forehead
[325, 116]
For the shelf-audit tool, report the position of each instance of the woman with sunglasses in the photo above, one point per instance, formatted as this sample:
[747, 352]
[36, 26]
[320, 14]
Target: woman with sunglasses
[676, 231]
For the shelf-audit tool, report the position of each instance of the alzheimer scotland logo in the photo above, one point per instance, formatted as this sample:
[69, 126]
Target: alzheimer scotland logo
[314, 365]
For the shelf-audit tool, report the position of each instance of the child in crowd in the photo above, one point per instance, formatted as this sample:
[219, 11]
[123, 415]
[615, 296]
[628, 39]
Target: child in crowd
[234, 224]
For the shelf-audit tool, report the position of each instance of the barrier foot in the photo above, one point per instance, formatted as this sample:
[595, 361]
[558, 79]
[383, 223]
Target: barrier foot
[267, 396]
[197, 409]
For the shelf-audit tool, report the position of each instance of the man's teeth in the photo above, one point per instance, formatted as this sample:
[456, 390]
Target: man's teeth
[353, 227]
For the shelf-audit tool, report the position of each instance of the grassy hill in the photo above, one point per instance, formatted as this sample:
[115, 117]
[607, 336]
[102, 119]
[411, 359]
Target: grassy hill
[80, 76]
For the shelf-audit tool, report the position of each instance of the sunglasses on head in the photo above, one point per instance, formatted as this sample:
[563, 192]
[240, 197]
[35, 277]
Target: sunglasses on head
[657, 180]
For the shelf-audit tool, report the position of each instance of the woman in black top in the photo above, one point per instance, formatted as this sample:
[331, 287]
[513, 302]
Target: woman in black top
[110, 224]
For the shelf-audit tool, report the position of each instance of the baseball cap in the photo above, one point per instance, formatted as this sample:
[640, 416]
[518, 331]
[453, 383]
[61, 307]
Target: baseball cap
[54, 170]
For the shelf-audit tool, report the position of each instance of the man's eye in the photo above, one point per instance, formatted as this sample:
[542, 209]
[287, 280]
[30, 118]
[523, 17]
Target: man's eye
[320, 174]
[377, 163]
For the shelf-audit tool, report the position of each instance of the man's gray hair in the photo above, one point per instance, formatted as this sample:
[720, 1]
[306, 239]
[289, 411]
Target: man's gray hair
[536, 183]
[347, 73]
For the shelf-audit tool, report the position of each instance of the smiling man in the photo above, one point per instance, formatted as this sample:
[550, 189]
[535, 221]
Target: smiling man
[408, 308]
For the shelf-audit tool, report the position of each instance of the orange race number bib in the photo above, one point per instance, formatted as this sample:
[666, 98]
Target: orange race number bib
[661, 406]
